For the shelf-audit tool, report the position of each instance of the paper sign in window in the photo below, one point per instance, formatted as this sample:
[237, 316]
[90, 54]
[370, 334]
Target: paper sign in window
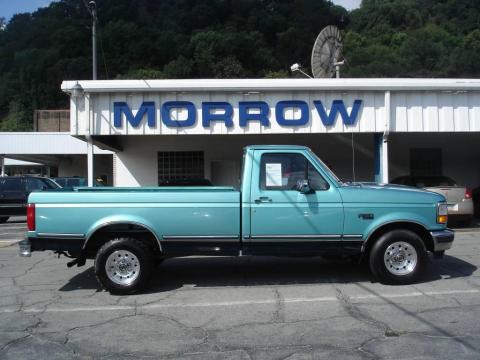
[273, 172]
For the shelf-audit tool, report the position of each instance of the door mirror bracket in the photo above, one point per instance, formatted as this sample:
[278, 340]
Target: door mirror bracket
[303, 186]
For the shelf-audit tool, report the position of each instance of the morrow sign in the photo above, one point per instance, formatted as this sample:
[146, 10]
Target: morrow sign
[248, 111]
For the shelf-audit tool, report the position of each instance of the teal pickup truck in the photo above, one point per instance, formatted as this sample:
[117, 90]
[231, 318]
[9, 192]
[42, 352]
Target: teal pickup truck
[289, 204]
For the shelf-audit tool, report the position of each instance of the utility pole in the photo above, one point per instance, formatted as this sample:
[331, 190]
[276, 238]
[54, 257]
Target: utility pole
[92, 6]
[93, 11]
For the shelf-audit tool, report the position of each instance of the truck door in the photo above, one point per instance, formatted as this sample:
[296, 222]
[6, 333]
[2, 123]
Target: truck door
[285, 220]
[13, 199]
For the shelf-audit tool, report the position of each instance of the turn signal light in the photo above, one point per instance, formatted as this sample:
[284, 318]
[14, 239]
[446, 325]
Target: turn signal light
[468, 194]
[442, 213]
[442, 219]
[31, 217]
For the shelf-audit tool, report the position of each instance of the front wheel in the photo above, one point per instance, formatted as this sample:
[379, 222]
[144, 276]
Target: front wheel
[398, 257]
[3, 219]
[123, 265]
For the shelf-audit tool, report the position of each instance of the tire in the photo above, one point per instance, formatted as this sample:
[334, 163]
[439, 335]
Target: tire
[123, 265]
[398, 257]
[4, 219]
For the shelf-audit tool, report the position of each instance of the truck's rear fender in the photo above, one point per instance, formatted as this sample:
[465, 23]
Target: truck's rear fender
[111, 227]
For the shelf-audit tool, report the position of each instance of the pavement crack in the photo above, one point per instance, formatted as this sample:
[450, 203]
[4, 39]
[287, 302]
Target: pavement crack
[360, 315]
[279, 314]
[14, 341]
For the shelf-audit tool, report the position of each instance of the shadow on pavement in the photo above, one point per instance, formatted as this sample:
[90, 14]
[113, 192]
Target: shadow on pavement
[248, 271]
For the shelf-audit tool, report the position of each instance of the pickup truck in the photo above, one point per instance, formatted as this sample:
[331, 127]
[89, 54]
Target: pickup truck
[289, 204]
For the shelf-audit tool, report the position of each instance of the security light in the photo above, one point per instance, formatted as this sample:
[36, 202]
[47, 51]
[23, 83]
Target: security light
[298, 67]
[77, 91]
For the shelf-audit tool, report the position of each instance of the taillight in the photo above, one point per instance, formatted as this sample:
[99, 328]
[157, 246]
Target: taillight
[31, 217]
[468, 194]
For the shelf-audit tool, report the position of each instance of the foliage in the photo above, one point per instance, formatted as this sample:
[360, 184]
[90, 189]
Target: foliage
[414, 38]
[164, 39]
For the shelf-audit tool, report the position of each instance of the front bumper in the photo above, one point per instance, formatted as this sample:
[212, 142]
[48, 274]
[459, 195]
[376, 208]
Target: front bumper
[442, 239]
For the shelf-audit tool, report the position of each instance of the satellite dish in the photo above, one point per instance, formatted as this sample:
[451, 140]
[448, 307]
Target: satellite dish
[327, 52]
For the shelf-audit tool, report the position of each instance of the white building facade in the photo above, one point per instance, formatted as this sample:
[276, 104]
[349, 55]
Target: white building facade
[365, 129]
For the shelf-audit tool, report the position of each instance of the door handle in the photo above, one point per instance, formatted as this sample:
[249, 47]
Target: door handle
[263, 199]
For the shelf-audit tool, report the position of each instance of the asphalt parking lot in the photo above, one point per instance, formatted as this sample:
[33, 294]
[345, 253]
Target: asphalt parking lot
[239, 308]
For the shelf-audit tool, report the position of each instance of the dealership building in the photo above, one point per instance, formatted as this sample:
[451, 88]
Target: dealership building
[158, 131]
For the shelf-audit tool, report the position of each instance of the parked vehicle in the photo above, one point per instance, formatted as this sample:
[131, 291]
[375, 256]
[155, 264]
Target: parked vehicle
[289, 204]
[74, 181]
[186, 182]
[14, 191]
[476, 201]
[459, 198]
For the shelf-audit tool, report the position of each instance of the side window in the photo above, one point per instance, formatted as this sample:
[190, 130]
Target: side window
[61, 182]
[13, 184]
[282, 171]
[50, 184]
[317, 182]
[36, 184]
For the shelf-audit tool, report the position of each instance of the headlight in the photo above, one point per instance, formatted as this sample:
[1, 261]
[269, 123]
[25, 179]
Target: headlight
[442, 213]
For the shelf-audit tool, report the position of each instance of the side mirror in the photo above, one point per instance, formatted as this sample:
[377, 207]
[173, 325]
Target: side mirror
[303, 186]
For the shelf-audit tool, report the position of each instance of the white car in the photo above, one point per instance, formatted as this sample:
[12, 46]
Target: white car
[459, 198]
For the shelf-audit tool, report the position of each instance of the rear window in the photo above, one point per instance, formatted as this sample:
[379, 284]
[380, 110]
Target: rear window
[61, 182]
[424, 181]
[432, 181]
[76, 182]
[40, 184]
[71, 182]
[11, 184]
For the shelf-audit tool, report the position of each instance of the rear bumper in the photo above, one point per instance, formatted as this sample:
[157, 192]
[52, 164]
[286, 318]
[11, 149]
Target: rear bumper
[442, 239]
[31, 244]
[13, 209]
[462, 208]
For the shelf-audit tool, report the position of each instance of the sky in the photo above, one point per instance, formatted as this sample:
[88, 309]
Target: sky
[10, 7]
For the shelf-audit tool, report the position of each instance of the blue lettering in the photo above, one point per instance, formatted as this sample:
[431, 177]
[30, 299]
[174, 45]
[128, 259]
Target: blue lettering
[167, 116]
[208, 117]
[338, 107]
[223, 112]
[121, 107]
[298, 104]
[244, 108]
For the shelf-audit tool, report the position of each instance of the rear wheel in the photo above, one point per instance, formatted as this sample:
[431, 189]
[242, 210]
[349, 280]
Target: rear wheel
[123, 265]
[3, 219]
[398, 257]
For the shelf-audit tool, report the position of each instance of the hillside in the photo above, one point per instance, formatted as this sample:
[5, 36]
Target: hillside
[225, 38]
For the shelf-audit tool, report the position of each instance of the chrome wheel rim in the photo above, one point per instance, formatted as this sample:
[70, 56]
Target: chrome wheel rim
[122, 267]
[400, 258]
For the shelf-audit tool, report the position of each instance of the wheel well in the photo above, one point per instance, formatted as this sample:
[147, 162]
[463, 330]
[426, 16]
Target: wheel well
[109, 232]
[414, 227]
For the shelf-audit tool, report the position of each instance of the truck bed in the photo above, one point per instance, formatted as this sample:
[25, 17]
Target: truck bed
[170, 212]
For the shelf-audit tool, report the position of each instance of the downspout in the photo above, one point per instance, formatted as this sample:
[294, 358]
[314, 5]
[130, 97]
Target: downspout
[386, 133]
[90, 147]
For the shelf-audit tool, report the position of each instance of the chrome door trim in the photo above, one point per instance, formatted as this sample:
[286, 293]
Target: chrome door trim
[211, 238]
[61, 236]
[297, 236]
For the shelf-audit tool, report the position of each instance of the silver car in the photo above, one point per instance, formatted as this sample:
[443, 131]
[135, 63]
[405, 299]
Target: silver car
[459, 198]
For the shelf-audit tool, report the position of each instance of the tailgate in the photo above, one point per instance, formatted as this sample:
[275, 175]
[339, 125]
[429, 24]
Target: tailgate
[453, 194]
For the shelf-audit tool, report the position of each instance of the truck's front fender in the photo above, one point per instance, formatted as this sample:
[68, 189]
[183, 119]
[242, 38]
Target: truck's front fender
[395, 217]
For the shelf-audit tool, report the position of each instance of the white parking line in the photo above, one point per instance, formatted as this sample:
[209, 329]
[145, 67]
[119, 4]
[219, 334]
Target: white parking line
[241, 302]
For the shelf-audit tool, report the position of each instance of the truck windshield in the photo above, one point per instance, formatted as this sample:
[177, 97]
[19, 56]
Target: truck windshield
[326, 168]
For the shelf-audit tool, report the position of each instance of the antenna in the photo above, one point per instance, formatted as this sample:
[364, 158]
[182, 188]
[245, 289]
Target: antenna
[327, 53]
